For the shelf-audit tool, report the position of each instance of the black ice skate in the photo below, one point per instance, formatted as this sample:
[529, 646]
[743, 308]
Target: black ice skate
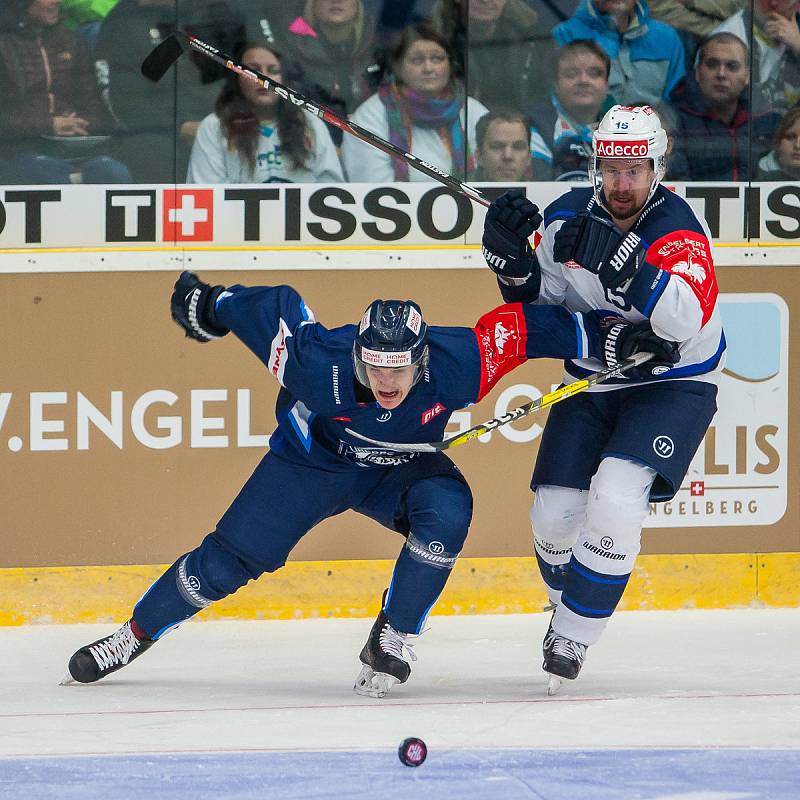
[382, 659]
[563, 658]
[101, 658]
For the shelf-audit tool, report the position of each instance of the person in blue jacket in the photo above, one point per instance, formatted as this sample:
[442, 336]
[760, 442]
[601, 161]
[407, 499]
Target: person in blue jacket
[390, 377]
[647, 56]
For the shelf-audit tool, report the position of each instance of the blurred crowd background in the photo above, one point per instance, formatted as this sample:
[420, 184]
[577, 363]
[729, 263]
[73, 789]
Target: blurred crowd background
[487, 90]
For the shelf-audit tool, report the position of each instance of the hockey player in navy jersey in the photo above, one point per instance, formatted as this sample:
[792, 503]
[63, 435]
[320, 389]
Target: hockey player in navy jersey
[632, 250]
[391, 376]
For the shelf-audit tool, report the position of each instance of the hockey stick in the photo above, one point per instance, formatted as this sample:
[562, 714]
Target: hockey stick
[549, 399]
[158, 62]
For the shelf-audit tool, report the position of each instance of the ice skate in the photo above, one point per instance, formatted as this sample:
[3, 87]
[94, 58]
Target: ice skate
[563, 659]
[101, 658]
[382, 660]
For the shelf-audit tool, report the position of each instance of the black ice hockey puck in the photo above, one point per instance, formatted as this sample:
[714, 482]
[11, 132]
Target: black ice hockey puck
[412, 751]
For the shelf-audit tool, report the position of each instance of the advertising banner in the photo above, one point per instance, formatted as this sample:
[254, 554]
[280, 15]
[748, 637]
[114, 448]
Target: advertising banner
[407, 214]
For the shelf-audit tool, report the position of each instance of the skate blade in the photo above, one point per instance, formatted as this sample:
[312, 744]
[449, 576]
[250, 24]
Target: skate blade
[373, 684]
[67, 680]
[554, 683]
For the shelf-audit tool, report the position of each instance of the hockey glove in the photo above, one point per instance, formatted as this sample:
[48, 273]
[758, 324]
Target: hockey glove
[599, 246]
[510, 221]
[619, 340]
[193, 307]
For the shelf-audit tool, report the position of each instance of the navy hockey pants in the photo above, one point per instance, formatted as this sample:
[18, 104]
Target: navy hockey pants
[427, 500]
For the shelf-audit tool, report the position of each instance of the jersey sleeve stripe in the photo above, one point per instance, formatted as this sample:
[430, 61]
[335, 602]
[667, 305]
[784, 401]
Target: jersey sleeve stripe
[705, 366]
[656, 294]
[583, 339]
[558, 215]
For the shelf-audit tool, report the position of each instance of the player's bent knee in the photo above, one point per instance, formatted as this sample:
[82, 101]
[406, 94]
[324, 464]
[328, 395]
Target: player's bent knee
[618, 496]
[557, 514]
[212, 572]
[615, 512]
[440, 512]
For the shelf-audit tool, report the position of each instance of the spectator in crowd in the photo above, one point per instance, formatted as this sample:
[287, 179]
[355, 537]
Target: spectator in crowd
[53, 125]
[716, 131]
[160, 119]
[563, 125]
[782, 163]
[333, 53]
[503, 151]
[776, 58]
[695, 17]
[507, 52]
[647, 57]
[85, 16]
[254, 136]
[421, 109]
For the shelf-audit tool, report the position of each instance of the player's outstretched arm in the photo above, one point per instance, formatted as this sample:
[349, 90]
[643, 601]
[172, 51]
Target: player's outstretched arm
[510, 221]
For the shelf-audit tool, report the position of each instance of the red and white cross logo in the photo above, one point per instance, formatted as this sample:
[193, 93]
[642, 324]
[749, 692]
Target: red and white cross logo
[188, 215]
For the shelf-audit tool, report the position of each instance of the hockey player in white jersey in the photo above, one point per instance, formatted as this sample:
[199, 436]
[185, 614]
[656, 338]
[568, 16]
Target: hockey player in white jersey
[636, 251]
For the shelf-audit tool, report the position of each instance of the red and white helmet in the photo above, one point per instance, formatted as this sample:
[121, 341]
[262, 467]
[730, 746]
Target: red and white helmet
[629, 132]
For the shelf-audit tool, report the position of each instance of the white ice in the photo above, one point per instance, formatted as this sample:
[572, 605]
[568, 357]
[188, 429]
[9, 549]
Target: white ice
[717, 691]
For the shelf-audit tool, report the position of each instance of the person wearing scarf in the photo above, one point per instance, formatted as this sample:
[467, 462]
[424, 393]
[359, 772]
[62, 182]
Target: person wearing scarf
[422, 109]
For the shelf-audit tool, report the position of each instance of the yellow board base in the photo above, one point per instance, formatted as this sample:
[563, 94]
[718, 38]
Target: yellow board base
[317, 589]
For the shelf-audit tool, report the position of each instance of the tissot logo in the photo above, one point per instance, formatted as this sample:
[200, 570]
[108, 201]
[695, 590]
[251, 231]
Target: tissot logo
[615, 149]
[188, 215]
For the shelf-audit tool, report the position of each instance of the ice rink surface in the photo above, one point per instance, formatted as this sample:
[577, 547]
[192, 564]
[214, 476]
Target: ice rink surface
[689, 705]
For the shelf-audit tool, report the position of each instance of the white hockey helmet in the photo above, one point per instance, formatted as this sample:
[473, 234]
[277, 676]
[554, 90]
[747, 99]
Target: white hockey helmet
[629, 132]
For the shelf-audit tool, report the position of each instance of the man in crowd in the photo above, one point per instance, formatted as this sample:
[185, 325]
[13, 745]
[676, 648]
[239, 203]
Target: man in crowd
[720, 138]
[647, 57]
[503, 151]
[564, 123]
[776, 57]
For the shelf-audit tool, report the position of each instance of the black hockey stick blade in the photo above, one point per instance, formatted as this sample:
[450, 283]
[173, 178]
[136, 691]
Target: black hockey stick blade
[546, 400]
[160, 59]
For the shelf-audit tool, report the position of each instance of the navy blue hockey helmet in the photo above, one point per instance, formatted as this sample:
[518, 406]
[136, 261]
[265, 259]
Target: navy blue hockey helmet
[392, 333]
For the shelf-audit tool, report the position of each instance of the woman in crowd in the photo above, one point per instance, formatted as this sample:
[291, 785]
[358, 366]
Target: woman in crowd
[783, 161]
[333, 54]
[421, 109]
[254, 136]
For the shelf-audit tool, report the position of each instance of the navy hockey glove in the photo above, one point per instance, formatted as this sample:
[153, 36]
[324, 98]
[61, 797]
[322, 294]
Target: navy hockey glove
[193, 307]
[510, 221]
[619, 340]
[599, 246]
